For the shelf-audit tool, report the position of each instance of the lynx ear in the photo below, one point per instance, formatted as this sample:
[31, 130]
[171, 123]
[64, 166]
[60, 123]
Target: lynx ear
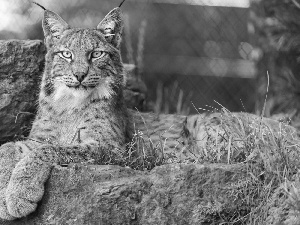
[53, 26]
[111, 26]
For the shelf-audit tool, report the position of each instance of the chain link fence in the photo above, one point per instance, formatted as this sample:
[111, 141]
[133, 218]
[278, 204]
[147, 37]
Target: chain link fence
[194, 55]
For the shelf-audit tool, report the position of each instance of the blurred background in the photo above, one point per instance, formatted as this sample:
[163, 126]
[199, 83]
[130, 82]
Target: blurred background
[193, 55]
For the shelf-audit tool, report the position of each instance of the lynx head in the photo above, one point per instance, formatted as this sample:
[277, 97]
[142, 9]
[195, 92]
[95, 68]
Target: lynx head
[82, 65]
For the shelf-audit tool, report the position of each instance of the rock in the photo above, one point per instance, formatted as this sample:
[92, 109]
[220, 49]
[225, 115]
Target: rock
[169, 194]
[284, 204]
[21, 65]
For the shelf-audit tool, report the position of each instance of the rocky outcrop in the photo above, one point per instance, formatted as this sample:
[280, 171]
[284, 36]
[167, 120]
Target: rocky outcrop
[169, 194]
[21, 65]
[284, 207]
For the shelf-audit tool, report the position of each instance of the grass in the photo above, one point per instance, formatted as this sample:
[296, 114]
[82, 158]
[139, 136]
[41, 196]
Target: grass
[140, 154]
[143, 155]
[269, 151]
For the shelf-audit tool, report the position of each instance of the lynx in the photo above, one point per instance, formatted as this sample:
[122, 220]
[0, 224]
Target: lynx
[81, 111]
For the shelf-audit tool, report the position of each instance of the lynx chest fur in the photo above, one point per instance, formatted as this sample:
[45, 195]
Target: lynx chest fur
[97, 125]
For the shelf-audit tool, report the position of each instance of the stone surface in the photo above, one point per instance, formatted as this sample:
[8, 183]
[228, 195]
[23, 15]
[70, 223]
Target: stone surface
[21, 65]
[169, 194]
[284, 203]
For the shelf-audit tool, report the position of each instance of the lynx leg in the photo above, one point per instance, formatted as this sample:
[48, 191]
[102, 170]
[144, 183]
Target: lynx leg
[26, 186]
[10, 154]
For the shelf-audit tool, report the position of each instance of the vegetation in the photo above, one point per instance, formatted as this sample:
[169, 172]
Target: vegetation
[267, 149]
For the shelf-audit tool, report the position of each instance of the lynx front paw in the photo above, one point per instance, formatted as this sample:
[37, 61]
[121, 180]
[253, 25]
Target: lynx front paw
[10, 154]
[18, 206]
[4, 214]
[26, 186]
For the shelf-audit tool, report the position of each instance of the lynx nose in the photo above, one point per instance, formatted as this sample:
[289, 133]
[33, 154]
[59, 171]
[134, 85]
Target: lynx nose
[80, 76]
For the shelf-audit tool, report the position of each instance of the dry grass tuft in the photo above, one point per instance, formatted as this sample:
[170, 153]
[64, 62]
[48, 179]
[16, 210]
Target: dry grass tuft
[269, 150]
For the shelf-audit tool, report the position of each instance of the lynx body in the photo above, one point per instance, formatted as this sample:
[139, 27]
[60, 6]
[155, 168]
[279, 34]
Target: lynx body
[81, 110]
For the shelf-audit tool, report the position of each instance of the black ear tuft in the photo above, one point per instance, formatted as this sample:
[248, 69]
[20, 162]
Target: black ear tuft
[41, 5]
[121, 3]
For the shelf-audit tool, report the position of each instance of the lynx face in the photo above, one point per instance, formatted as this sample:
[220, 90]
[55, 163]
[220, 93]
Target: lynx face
[82, 64]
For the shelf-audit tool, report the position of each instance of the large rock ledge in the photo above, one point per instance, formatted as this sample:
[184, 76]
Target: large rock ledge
[21, 66]
[169, 194]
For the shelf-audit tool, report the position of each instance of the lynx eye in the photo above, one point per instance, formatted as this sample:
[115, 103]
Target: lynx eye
[65, 54]
[97, 54]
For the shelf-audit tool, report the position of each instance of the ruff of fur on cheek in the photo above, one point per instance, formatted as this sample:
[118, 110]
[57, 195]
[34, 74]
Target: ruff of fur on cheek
[66, 98]
[103, 89]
